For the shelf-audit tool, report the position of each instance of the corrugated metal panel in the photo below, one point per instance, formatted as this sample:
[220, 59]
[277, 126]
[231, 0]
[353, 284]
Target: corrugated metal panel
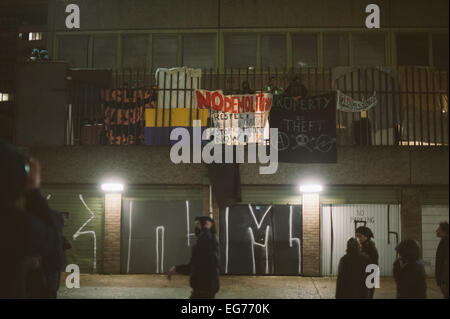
[355, 195]
[338, 225]
[84, 205]
[271, 195]
[164, 193]
[432, 215]
[436, 196]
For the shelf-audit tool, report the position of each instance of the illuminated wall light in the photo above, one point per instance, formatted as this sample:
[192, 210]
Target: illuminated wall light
[112, 187]
[311, 188]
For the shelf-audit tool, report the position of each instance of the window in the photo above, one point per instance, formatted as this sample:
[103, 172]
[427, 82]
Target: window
[165, 52]
[440, 49]
[74, 49]
[134, 50]
[199, 51]
[35, 36]
[304, 50]
[335, 50]
[412, 49]
[273, 51]
[369, 49]
[240, 50]
[4, 97]
[105, 52]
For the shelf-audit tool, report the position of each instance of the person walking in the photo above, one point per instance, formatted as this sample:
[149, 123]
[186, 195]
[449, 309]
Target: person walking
[204, 265]
[365, 235]
[409, 271]
[351, 279]
[442, 266]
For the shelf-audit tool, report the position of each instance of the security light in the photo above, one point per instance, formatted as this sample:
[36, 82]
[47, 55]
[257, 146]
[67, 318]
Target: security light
[311, 188]
[112, 187]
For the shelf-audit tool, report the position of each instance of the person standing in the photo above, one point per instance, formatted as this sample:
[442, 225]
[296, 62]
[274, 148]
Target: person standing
[409, 272]
[351, 279]
[365, 235]
[442, 266]
[204, 265]
[246, 88]
[296, 90]
[272, 88]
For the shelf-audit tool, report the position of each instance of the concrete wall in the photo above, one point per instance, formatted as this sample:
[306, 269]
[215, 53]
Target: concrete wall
[152, 165]
[178, 14]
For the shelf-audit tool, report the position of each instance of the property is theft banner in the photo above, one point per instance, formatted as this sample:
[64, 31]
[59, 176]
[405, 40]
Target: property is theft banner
[306, 128]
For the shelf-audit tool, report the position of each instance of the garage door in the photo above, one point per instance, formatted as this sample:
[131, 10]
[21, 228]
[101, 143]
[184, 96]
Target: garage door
[156, 228]
[84, 224]
[338, 224]
[262, 235]
[432, 215]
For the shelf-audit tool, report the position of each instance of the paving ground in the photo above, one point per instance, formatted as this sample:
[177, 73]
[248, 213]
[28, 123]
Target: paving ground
[232, 287]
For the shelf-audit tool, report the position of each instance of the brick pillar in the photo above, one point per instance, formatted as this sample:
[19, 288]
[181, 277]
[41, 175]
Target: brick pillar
[411, 213]
[311, 235]
[111, 246]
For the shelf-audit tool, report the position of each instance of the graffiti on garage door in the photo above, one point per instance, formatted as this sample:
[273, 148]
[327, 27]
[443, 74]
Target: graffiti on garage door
[261, 239]
[155, 235]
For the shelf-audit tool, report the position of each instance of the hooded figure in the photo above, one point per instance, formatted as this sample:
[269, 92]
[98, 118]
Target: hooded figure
[409, 272]
[351, 280]
[27, 233]
[442, 266]
[365, 235]
[204, 265]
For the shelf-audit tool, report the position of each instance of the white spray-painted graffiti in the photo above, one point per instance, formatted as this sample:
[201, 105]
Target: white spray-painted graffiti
[265, 245]
[189, 234]
[129, 238]
[160, 264]
[227, 212]
[261, 239]
[294, 240]
[79, 232]
[252, 237]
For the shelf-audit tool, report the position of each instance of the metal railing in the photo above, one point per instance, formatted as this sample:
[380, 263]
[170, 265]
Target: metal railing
[411, 108]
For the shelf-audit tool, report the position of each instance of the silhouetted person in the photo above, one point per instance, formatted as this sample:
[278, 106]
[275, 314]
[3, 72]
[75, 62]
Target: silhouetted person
[246, 88]
[28, 236]
[204, 265]
[351, 279]
[296, 90]
[442, 266]
[365, 235]
[154, 97]
[272, 88]
[409, 272]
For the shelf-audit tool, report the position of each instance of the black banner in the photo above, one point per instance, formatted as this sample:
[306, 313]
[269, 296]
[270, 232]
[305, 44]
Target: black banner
[306, 128]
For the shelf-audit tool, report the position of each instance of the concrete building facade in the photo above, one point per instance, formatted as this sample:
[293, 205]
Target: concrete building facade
[407, 177]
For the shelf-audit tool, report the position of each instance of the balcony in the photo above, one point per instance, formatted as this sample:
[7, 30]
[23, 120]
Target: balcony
[411, 107]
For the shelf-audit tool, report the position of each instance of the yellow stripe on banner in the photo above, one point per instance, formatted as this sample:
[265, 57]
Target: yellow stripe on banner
[178, 117]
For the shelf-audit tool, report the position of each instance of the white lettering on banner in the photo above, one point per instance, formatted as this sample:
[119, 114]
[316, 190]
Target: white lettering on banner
[346, 103]
[229, 113]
